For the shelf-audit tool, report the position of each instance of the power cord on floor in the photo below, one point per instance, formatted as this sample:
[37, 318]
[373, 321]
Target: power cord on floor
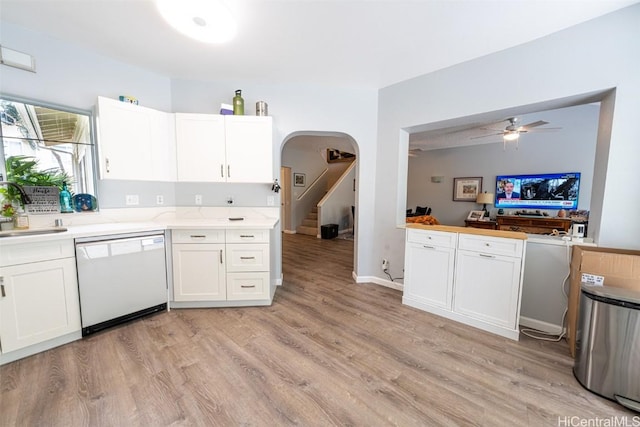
[546, 336]
[386, 271]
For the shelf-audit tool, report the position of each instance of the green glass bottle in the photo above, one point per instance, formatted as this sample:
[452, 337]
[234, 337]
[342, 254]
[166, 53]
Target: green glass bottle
[238, 104]
[65, 199]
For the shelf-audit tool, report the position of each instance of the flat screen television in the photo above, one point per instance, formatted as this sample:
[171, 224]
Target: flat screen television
[539, 191]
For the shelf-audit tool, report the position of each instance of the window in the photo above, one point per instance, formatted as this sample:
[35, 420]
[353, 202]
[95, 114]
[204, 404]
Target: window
[59, 140]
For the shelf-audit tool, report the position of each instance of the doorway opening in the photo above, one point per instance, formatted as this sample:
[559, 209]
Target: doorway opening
[320, 188]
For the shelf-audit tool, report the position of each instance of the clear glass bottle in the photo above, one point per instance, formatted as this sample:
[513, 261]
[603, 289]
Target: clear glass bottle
[20, 220]
[65, 199]
[238, 104]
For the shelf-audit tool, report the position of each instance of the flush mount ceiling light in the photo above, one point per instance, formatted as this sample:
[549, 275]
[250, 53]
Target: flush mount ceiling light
[208, 21]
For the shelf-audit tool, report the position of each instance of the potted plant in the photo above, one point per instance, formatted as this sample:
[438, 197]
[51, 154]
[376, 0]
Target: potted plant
[7, 211]
[23, 171]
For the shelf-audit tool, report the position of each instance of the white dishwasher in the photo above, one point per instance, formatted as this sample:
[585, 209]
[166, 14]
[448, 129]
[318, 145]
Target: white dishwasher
[120, 277]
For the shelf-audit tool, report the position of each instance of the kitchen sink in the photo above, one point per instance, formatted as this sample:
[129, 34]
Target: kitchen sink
[32, 231]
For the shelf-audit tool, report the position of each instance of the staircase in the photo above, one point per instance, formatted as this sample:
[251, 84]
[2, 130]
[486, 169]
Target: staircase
[309, 225]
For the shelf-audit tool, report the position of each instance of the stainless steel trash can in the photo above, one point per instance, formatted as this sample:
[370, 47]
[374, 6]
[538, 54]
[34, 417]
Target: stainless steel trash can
[608, 344]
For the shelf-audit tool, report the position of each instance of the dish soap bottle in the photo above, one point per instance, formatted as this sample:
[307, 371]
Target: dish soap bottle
[65, 199]
[238, 104]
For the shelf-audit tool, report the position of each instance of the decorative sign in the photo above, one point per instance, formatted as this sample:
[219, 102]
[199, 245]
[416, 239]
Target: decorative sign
[44, 200]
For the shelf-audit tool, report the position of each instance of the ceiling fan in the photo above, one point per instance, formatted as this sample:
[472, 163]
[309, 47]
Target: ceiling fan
[414, 152]
[513, 131]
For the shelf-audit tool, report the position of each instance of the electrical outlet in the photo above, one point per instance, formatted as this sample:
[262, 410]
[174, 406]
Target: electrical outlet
[131, 200]
[159, 199]
[385, 264]
[198, 199]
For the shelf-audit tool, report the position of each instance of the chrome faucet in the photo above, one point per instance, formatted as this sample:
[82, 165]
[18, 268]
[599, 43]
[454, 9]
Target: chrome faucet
[23, 195]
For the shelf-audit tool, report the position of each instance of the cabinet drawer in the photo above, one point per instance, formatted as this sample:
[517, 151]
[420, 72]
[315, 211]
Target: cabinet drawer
[491, 245]
[247, 236]
[247, 257]
[36, 251]
[197, 236]
[432, 238]
[247, 286]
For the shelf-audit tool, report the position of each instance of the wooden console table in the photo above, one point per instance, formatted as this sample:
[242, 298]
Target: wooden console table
[533, 225]
[487, 225]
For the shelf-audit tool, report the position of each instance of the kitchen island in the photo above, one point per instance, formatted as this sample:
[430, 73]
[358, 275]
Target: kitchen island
[470, 275]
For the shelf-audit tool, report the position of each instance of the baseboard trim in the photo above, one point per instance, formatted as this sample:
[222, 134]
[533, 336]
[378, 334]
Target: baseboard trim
[539, 325]
[378, 281]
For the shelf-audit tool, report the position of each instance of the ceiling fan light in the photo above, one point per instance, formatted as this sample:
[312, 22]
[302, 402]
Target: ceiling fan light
[208, 21]
[511, 135]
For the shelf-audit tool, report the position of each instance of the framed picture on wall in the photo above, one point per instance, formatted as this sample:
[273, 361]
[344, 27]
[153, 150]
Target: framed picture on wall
[466, 189]
[299, 180]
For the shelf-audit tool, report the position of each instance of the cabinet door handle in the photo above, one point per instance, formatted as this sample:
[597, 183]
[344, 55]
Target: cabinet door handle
[247, 257]
[198, 236]
[247, 286]
[247, 236]
[221, 170]
[220, 256]
[487, 256]
[2, 292]
[228, 171]
[107, 165]
[428, 247]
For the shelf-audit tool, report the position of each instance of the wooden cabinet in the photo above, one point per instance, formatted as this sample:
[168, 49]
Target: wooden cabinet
[429, 266]
[217, 148]
[221, 268]
[533, 225]
[486, 225]
[135, 143]
[470, 278]
[39, 300]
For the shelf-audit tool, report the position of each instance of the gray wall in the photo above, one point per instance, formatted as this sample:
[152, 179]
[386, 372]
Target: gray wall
[592, 57]
[570, 149]
[587, 59]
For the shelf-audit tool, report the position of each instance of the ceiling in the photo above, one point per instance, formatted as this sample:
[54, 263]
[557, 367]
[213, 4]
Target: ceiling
[357, 43]
[487, 131]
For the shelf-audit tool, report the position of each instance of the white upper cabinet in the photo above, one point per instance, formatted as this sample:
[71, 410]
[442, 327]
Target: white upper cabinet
[200, 147]
[216, 148]
[135, 143]
[249, 149]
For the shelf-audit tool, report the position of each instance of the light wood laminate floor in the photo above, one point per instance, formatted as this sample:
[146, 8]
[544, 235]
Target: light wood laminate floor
[327, 352]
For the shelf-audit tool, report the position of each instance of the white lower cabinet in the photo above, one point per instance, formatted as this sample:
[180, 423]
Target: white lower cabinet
[198, 272]
[429, 266]
[39, 301]
[470, 278]
[235, 270]
[486, 287]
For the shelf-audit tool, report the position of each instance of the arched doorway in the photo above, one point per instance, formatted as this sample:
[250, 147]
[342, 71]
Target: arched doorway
[314, 165]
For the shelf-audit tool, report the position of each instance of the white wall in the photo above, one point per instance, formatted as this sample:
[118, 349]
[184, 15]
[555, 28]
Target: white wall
[336, 206]
[305, 110]
[71, 76]
[570, 149]
[591, 57]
